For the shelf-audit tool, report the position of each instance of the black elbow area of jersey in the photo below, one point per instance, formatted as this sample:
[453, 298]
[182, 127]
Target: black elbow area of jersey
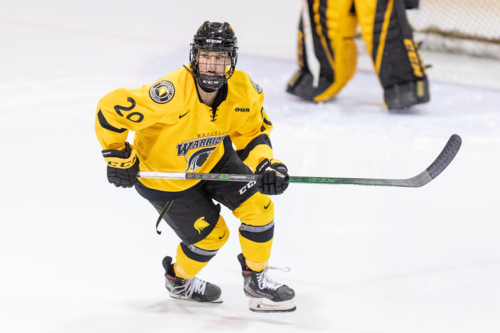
[125, 153]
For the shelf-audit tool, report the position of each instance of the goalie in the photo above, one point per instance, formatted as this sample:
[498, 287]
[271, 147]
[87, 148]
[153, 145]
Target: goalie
[327, 53]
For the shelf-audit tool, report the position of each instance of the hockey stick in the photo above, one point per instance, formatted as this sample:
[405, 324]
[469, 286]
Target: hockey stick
[442, 161]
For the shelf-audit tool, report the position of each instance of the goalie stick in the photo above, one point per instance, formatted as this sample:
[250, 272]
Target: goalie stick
[442, 161]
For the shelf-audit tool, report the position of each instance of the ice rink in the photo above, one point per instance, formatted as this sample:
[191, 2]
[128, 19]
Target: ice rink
[79, 255]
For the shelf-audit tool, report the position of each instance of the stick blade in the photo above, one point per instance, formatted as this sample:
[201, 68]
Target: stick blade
[447, 155]
[440, 163]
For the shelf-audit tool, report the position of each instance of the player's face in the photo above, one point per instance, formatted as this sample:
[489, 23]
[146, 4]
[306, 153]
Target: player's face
[213, 63]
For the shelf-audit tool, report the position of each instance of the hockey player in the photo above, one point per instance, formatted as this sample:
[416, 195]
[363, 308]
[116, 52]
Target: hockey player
[188, 121]
[327, 53]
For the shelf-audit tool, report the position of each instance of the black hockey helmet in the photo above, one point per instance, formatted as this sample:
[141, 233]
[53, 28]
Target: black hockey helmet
[213, 37]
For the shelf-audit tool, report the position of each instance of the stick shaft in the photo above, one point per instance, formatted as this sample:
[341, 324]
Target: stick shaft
[251, 178]
[442, 161]
[198, 176]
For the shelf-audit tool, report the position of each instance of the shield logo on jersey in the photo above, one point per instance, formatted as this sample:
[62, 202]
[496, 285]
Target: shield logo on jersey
[255, 85]
[201, 224]
[199, 157]
[162, 92]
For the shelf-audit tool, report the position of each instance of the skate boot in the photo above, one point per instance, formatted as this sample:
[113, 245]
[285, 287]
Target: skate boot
[265, 294]
[194, 289]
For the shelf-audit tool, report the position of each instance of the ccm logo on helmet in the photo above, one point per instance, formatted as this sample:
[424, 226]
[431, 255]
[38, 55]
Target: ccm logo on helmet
[214, 41]
[242, 110]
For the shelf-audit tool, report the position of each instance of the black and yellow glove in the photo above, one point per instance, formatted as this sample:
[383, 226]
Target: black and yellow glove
[123, 166]
[273, 175]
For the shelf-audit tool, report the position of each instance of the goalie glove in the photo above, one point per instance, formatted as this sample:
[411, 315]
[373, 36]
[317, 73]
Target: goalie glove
[273, 175]
[123, 166]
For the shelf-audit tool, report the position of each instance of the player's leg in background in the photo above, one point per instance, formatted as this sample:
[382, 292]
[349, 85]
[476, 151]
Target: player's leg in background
[191, 258]
[196, 220]
[395, 55]
[327, 54]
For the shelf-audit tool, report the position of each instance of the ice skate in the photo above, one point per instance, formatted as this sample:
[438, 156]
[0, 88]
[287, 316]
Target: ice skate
[194, 289]
[265, 294]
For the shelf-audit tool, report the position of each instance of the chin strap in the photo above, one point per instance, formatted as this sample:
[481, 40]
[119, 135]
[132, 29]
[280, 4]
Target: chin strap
[213, 82]
[207, 90]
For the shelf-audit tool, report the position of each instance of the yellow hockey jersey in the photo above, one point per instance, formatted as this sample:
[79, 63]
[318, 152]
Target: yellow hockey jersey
[176, 132]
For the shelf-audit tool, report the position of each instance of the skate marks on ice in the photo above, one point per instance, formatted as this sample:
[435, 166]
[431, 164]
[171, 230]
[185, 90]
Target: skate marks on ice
[155, 314]
[232, 315]
[188, 319]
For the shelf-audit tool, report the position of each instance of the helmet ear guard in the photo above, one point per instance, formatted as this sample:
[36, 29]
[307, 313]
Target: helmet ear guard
[213, 37]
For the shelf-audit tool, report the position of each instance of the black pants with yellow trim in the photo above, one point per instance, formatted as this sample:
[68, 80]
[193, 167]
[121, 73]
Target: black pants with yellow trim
[196, 219]
[327, 53]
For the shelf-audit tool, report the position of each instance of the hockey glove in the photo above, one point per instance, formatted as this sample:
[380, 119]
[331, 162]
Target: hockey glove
[123, 166]
[272, 177]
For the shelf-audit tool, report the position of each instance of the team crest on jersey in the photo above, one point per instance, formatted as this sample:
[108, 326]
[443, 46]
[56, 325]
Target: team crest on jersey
[201, 224]
[255, 85]
[204, 147]
[162, 92]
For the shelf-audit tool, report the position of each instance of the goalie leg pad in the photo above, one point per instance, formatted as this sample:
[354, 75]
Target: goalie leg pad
[327, 53]
[401, 96]
[389, 41]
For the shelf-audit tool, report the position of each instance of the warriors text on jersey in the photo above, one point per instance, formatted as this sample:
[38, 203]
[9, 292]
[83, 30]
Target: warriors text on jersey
[176, 132]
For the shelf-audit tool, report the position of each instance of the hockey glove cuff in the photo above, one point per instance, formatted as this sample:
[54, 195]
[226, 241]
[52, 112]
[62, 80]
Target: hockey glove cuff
[273, 175]
[123, 166]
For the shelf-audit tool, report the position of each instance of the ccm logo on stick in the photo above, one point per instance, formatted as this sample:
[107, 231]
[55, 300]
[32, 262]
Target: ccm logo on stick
[246, 187]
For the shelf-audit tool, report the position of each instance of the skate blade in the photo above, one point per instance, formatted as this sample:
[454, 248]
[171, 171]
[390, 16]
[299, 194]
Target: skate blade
[183, 298]
[264, 305]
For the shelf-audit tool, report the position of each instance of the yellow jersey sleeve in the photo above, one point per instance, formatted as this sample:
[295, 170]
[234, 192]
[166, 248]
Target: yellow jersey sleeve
[130, 109]
[252, 139]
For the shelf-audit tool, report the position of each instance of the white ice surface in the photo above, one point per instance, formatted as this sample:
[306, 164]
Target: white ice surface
[79, 255]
